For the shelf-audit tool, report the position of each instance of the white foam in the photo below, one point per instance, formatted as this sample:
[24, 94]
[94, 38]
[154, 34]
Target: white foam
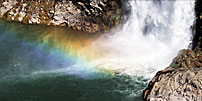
[134, 51]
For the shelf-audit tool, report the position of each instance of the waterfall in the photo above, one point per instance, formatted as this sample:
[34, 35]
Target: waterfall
[150, 39]
[66, 64]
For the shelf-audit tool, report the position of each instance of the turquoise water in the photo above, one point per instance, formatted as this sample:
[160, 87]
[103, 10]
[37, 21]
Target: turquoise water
[35, 67]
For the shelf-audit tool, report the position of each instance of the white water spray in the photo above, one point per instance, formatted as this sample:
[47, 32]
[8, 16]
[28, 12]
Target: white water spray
[151, 38]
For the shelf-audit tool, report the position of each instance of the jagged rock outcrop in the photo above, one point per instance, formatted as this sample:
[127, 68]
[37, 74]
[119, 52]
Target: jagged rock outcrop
[85, 15]
[175, 85]
[181, 81]
[187, 59]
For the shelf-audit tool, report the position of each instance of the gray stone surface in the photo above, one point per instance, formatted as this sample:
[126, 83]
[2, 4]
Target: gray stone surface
[180, 82]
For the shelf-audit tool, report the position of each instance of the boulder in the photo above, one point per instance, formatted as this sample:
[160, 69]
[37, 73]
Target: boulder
[181, 81]
[175, 85]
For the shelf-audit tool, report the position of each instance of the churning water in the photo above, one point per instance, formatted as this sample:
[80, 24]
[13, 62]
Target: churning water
[48, 63]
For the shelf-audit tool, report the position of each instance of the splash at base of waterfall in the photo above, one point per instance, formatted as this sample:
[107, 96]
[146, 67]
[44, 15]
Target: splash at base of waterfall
[154, 33]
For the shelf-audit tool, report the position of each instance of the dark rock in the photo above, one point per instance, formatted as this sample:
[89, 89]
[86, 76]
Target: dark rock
[197, 27]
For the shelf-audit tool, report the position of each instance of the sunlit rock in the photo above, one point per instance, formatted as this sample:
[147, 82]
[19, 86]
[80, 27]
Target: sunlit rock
[101, 15]
[179, 82]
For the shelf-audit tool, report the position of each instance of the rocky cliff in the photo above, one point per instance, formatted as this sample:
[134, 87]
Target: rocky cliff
[197, 27]
[85, 15]
[182, 80]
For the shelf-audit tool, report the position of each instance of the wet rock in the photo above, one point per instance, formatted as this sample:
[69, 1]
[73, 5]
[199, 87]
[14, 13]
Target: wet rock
[182, 81]
[187, 59]
[175, 85]
[197, 27]
[85, 15]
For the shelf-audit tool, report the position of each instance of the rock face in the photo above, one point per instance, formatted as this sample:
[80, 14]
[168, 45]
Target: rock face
[85, 15]
[182, 81]
[188, 59]
[175, 85]
[197, 27]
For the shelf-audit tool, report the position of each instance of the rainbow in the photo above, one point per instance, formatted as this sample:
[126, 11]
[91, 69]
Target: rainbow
[61, 47]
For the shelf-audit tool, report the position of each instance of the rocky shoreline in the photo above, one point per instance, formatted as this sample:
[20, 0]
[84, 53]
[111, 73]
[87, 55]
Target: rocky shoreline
[182, 80]
[84, 15]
